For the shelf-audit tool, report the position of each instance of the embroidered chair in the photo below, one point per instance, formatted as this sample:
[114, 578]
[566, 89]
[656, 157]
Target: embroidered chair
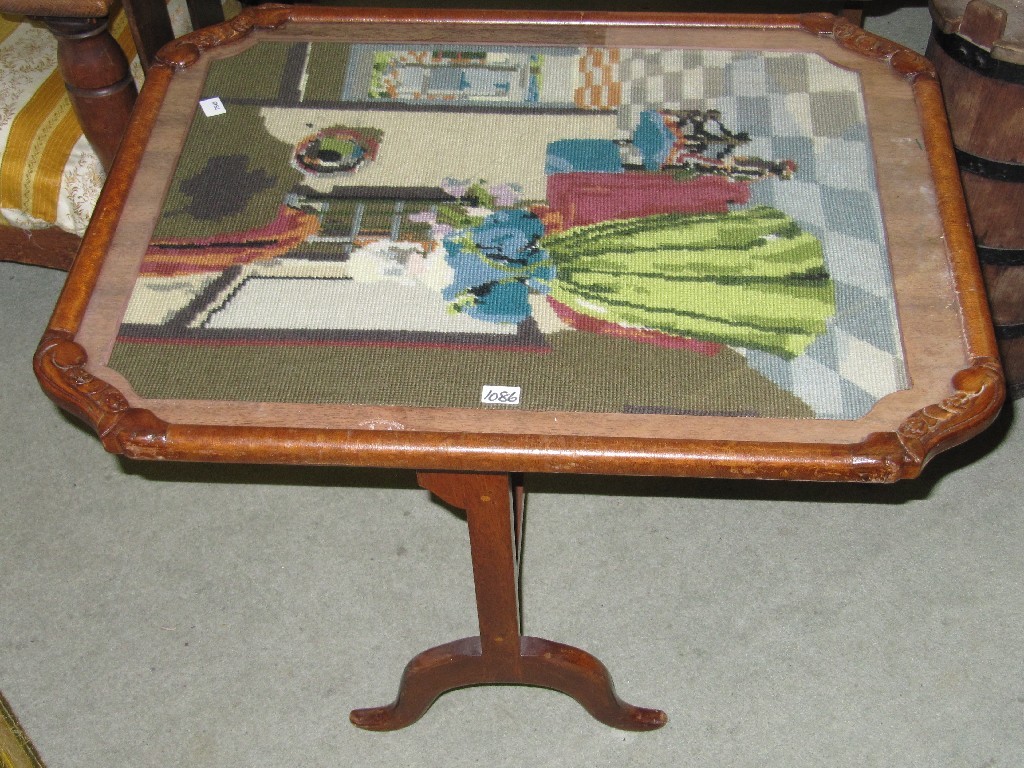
[54, 91]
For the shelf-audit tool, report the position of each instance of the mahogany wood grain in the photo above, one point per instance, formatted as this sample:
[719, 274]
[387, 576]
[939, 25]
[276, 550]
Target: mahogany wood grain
[499, 654]
[48, 247]
[99, 83]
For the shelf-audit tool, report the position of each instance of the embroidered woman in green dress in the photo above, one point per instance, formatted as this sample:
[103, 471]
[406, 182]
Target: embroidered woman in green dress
[750, 278]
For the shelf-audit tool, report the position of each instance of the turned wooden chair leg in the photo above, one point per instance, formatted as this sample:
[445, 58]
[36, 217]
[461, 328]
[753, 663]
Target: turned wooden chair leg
[98, 79]
[500, 654]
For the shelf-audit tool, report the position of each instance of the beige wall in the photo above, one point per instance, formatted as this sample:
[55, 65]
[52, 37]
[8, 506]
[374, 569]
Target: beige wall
[515, 151]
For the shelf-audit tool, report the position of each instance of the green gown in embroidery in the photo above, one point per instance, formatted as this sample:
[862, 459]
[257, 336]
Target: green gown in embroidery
[749, 278]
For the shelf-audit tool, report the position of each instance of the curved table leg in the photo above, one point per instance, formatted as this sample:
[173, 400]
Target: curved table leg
[545, 664]
[500, 654]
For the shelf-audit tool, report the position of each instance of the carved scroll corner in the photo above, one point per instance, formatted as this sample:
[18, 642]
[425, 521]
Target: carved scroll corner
[178, 54]
[187, 50]
[912, 66]
[903, 61]
[60, 367]
[819, 23]
[979, 393]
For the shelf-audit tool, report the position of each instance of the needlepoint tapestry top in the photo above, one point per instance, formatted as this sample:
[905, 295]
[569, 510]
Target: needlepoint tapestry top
[667, 231]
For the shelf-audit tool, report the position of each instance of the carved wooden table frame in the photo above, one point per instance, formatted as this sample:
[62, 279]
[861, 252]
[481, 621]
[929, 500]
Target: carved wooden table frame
[472, 460]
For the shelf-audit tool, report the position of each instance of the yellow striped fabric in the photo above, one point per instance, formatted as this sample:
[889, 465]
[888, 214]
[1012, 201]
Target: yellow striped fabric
[41, 138]
[7, 26]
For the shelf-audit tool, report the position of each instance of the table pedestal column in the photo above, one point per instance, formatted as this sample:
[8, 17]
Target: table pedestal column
[500, 654]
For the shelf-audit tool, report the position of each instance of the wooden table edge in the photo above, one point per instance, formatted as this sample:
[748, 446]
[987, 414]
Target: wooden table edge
[979, 391]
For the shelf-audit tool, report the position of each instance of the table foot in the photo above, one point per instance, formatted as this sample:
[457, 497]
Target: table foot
[578, 674]
[541, 663]
[494, 505]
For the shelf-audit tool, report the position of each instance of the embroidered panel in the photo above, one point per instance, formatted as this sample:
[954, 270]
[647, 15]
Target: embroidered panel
[608, 230]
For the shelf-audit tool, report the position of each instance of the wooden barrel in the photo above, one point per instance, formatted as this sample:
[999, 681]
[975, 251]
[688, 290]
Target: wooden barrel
[977, 48]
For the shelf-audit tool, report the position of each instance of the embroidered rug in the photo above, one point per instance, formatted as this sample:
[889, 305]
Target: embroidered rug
[16, 751]
[583, 229]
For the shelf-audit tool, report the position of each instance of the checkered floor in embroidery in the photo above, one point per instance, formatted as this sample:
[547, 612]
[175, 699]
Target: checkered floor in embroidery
[809, 103]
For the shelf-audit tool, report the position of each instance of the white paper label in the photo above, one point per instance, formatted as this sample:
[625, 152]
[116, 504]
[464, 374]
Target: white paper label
[212, 107]
[492, 395]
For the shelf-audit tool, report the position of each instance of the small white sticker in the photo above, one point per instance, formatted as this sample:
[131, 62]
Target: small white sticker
[212, 107]
[492, 395]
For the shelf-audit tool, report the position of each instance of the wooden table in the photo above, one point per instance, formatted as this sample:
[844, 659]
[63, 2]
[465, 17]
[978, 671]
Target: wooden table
[479, 245]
